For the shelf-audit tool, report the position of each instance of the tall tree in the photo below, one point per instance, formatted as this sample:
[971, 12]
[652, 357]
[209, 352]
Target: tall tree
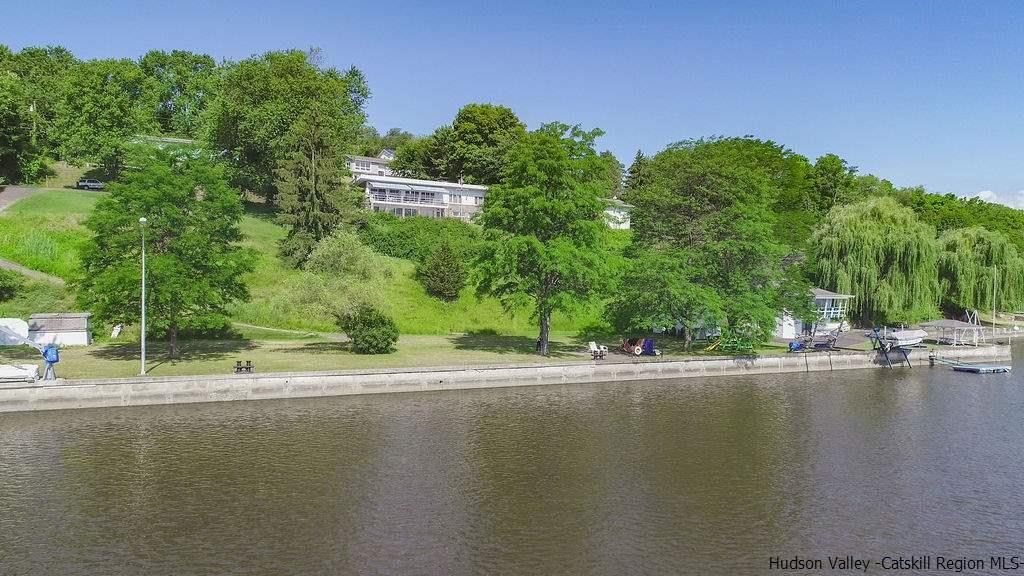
[976, 265]
[103, 106]
[261, 97]
[185, 83]
[613, 174]
[636, 176]
[314, 192]
[44, 71]
[881, 253]
[472, 148]
[193, 262]
[18, 155]
[833, 181]
[544, 225]
[703, 204]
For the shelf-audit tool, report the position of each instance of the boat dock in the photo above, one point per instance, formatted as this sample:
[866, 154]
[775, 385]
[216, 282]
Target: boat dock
[969, 367]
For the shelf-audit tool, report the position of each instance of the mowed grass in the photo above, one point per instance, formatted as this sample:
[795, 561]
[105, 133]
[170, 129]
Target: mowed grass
[45, 231]
[117, 360]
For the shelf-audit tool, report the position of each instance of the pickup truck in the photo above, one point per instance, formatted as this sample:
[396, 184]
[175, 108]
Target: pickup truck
[89, 184]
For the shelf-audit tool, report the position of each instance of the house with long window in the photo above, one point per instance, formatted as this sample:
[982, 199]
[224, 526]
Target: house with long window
[376, 165]
[405, 197]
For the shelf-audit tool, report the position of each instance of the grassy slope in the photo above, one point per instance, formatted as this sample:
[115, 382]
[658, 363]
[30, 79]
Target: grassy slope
[45, 231]
[274, 287]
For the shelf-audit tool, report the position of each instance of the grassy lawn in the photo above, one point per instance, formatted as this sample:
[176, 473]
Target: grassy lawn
[297, 352]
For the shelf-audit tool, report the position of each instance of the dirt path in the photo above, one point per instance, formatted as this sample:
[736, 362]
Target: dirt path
[8, 196]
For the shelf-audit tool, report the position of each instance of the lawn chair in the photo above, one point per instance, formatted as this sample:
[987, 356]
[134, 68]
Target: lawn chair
[598, 351]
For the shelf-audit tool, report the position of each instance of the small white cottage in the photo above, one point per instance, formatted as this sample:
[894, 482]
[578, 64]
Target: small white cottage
[61, 328]
[832, 309]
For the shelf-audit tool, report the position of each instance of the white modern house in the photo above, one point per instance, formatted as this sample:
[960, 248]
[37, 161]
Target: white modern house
[832, 309]
[412, 197]
[403, 197]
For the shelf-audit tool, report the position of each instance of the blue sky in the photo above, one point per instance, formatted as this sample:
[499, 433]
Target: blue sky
[924, 93]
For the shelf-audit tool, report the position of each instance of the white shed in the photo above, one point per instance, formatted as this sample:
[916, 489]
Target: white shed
[61, 328]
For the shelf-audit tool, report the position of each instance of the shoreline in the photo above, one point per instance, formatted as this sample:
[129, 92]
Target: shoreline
[145, 391]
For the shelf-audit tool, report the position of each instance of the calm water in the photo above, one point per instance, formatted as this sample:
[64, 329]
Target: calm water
[693, 476]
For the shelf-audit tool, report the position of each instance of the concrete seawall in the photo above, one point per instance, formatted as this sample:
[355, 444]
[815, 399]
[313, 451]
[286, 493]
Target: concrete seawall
[69, 394]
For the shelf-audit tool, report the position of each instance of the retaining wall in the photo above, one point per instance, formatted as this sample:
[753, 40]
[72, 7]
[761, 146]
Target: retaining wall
[67, 394]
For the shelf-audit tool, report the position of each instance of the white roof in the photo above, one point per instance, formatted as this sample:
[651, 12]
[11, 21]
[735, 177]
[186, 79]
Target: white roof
[819, 293]
[448, 186]
[389, 185]
[430, 189]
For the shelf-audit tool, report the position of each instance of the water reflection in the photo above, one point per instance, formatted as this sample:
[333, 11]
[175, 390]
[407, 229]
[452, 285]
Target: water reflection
[692, 476]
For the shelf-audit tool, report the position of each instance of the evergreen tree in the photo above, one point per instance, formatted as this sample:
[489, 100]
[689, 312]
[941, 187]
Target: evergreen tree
[314, 192]
[636, 176]
[443, 274]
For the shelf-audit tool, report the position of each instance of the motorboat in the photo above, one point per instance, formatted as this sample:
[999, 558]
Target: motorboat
[904, 338]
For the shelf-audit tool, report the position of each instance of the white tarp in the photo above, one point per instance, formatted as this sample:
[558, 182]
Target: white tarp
[13, 331]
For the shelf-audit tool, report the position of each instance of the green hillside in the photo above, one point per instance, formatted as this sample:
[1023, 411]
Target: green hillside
[44, 232]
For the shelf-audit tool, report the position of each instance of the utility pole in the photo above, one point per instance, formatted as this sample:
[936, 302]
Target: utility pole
[142, 366]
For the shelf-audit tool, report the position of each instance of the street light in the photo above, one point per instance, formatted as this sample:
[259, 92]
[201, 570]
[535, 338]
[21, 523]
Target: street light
[142, 367]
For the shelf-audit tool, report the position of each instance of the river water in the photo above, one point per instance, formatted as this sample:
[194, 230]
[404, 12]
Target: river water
[695, 476]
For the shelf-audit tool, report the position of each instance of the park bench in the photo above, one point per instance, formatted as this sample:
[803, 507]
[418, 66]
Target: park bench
[243, 369]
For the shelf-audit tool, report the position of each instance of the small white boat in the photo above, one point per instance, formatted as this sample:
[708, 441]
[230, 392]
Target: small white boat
[904, 338]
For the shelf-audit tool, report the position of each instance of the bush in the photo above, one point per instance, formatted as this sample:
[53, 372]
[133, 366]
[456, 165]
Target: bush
[342, 254]
[414, 238]
[443, 274]
[371, 331]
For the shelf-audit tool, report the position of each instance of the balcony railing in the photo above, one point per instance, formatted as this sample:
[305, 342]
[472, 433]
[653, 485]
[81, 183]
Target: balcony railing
[396, 199]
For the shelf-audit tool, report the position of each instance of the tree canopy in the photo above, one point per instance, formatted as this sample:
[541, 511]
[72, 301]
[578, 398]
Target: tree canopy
[881, 253]
[103, 106]
[260, 99]
[544, 225]
[185, 83]
[976, 265]
[704, 203]
[16, 149]
[194, 264]
[473, 148]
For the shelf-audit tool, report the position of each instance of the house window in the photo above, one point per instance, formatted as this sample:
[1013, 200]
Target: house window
[456, 198]
[361, 165]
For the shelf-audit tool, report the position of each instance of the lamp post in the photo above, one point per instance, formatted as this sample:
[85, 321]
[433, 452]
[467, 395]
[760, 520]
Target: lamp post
[142, 226]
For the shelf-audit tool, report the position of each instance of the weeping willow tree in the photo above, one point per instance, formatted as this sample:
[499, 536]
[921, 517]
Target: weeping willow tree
[881, 253]
[974, 261]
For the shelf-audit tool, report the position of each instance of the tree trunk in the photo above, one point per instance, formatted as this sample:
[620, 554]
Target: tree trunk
[172, 334]
[545, 329]
[687, 338]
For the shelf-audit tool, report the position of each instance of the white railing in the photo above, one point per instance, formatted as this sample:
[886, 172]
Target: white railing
[406, 200]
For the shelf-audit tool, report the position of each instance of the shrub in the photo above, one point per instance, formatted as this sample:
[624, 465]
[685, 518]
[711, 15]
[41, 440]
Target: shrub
[443, 274]
[414, 238]
[371, 331]
[342, 254]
